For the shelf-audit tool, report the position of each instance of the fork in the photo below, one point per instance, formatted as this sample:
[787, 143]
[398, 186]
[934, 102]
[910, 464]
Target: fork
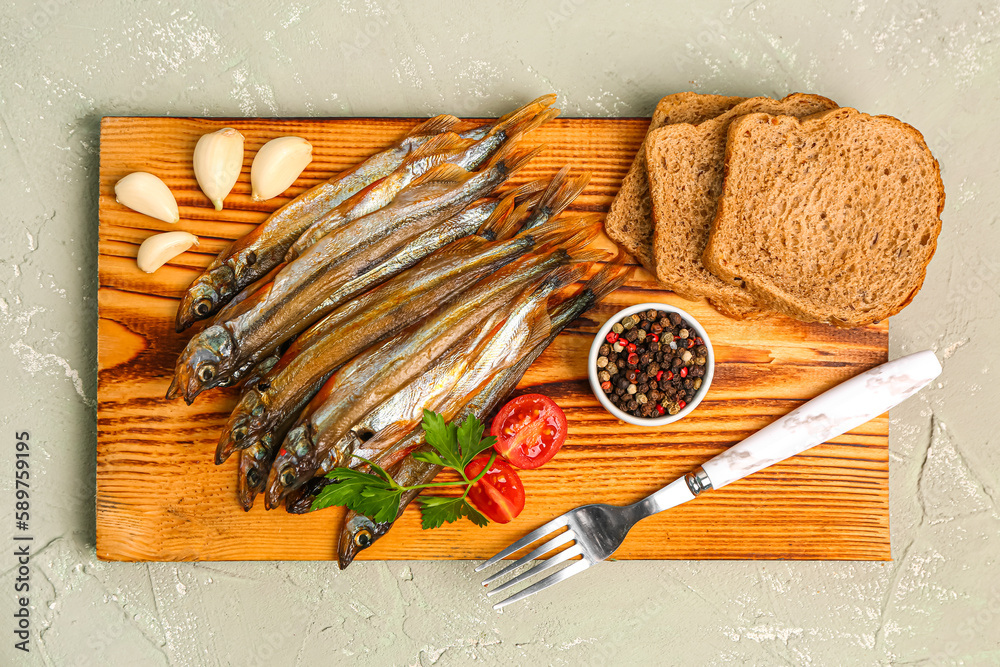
[594, 532]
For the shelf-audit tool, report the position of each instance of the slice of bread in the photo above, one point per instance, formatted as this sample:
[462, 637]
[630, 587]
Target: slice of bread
[832, 218]
[685, 166]
[630, 220]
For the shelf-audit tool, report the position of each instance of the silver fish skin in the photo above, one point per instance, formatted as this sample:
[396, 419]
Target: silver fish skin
[445, 149]
[377, 314]
[301, 293]
[374, 376]
[249, 258]
[359, 532]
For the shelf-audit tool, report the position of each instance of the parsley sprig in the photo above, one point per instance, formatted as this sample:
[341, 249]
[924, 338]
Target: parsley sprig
[377, 495]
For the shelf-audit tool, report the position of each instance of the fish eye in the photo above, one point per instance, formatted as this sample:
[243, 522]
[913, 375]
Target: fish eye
[239, 432]
[288, 476]
[363, 538]
[203, 306]
[206, 373]
[253, 477]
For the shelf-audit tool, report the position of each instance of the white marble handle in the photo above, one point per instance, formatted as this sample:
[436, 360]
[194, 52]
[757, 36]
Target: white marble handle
[833, 412]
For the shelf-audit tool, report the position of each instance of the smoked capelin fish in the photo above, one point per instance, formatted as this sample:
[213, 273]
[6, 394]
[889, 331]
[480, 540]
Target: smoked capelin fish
[358, 531]
[262, 443]
[249, 258]
[376, 374]
[448, 148]
[461, 371]
[358, 387]
[392, 306]
[333, 271]
[262, 417]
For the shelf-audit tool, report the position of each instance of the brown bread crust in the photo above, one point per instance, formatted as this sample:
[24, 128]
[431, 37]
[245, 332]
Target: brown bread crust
[831, 218]
[630, 219]
[685, 167]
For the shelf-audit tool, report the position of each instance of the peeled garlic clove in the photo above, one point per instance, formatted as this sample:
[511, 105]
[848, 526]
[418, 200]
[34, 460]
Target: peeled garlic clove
[218, 159]
[147, 194]
[277, 164]
[159, 249]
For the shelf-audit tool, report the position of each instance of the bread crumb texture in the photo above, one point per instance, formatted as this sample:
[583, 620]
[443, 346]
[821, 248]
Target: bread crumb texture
[831, 218]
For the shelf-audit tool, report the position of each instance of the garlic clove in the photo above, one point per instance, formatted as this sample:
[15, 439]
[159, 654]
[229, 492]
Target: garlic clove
[147, 194]
[159, 249]
[218, 159]
[277, 164]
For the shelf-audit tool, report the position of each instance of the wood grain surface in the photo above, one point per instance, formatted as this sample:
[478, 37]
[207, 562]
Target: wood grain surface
[159, 496]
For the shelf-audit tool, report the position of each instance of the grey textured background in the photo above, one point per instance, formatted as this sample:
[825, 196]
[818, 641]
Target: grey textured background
[65, 64]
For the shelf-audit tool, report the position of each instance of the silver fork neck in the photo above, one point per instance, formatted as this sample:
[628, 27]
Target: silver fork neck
[672, 495]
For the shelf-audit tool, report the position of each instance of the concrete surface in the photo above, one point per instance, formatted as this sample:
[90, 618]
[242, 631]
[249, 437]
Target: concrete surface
[65, 64]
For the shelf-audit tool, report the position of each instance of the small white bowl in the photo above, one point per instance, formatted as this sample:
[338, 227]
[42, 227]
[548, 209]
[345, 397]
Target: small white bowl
[595, 384]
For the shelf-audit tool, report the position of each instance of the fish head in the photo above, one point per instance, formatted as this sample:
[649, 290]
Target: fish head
[238, 431]
[300, 501]
[358, 534]
[206, 295]
[203, 364]
[294, 465]
[254, 463]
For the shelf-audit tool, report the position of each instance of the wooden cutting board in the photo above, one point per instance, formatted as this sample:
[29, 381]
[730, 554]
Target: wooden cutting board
[159, 496]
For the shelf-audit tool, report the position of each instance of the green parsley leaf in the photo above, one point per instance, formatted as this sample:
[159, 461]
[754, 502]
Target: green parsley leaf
[437, 510]
[377, 496]
[473, 515]
[471, 440]
[443, 438]
[428, 457]
[366, 494]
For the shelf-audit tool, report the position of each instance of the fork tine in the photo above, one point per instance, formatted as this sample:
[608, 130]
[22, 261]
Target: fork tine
[561, 575]
[559, 539]
[534, 535]
[543, 565]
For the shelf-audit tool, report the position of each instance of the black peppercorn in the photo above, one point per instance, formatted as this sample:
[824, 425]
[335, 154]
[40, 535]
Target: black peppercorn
[648, 375]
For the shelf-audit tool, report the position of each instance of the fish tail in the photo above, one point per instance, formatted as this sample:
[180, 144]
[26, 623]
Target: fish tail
[512, 157]
[562, 230]
[435, 125]
[441, 177]
[567, 275]
[527, 191]
[521, 121]
[539, 322]
[589, 227]
[445, 142]
[561, 192]
[500, 225]
[535, 106]
[612, 275]
[589, 255]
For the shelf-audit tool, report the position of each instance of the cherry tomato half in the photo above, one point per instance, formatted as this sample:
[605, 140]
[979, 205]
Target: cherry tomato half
[529, 430]
[499, 494]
